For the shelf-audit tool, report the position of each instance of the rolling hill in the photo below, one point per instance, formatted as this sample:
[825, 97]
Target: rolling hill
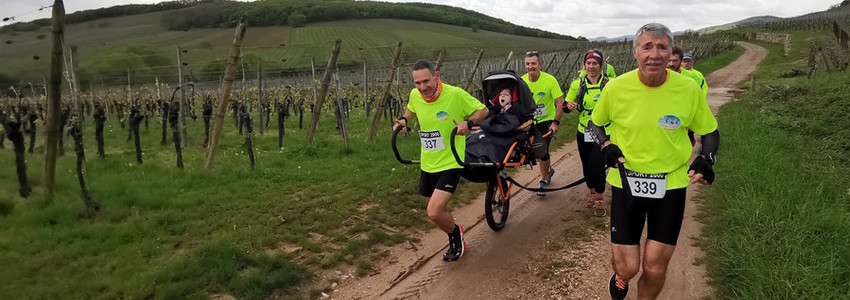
[102, 46]
[144, 45]
[747, 21]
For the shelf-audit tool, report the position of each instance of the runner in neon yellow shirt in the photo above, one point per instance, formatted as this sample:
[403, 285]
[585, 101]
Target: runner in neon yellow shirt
[675, 64]
[582, 96]
[649, 111]
[440, 107]
[550, 105]
[688, 65]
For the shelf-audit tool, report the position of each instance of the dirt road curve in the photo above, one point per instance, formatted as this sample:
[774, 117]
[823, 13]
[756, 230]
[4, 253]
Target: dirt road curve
[552, 247]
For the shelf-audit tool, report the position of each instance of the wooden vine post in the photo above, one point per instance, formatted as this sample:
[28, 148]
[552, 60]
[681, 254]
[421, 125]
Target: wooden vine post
[320, 98]
[224, 98]
[382, 102]
[474, 70]
[54, 99]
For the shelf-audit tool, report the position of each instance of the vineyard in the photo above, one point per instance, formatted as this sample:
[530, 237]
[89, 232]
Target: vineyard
[179, 181]
[823, 54]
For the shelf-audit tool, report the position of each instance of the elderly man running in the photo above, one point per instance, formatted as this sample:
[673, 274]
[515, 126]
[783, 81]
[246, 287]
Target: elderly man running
[649, 111]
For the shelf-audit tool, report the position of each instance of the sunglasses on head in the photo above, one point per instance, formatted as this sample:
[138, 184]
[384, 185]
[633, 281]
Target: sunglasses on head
[531, 53]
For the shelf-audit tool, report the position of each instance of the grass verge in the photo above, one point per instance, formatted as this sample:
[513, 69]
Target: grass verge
[778, 217]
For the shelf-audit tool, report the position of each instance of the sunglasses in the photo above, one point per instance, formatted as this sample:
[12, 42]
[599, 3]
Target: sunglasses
[531, 53]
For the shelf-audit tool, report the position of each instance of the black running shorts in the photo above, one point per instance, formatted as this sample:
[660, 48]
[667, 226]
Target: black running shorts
[592, 163]
[540, 148]
[445, 181]
[662, 216]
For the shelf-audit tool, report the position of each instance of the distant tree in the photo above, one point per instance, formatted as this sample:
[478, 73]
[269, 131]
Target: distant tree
[475, 27]
[845, 2]
[297, 20]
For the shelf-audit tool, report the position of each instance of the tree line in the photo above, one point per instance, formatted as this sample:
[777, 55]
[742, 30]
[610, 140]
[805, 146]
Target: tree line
[106, 12]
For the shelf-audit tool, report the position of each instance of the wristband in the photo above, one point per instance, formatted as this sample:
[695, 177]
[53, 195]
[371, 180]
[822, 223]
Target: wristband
[557, 122]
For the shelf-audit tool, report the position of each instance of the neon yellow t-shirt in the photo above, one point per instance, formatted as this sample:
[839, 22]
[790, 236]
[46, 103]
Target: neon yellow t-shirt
[435, 126]
[697, 76]
[545, 91]
[650, 124]
[590, 99]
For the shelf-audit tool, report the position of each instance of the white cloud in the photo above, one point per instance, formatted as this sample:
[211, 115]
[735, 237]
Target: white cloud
[576, 18]
[621, 17]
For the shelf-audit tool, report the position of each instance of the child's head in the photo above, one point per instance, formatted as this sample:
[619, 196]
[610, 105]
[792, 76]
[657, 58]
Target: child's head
[505, 97]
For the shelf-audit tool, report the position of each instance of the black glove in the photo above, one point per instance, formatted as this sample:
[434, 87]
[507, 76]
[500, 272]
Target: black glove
[612, 154]
[566, 109]
[702, 166]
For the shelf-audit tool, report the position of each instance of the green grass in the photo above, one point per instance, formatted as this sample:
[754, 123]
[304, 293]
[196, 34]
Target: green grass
[778, 217]
[170, 233]
[714, 63]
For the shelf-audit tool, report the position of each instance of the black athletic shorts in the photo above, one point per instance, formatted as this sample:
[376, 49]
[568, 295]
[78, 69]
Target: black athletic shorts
[540, 148]
[592, 163]
[445, 181]
[662, 216]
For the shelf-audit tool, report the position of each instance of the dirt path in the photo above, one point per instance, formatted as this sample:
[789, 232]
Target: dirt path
[551, 248]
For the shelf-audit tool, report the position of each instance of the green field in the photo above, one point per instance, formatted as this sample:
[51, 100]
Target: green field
[778, 216]
[372, 40]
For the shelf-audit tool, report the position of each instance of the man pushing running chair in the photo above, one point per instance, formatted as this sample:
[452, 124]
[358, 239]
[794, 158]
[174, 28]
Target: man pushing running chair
[440, 108]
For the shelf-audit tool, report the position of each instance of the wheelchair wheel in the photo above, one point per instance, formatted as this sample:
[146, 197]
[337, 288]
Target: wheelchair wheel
[495, 207]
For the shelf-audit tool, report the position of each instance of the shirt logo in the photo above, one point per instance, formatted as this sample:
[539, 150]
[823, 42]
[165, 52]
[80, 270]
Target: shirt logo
[541, 95]
[442, 116]
[596, 98]
[670, 122]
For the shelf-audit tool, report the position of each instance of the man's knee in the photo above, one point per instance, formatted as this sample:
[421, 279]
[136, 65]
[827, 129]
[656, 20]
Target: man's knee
[624, 267]
[433, 213]
[437, 204]
[655, 268]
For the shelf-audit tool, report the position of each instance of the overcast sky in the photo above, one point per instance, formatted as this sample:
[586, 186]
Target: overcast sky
[577, 18]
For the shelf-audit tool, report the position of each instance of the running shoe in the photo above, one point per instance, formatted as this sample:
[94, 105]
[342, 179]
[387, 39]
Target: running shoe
[543, 184]
[456, 245]
[599, 207]
[591, 201]
[618, 288]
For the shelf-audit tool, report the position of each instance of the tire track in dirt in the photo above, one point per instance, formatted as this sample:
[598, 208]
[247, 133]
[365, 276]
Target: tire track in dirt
[420, 270]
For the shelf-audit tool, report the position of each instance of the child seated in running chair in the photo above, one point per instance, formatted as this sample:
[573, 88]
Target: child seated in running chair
[505, 99]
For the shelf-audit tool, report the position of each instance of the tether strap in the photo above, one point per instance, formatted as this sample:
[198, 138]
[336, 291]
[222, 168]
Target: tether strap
[630, 200]
[571, 185]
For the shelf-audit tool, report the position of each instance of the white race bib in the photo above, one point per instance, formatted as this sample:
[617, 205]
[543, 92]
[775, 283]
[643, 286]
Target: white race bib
[431, 140]
[540, 111]
[652, 186]
[587, 136]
